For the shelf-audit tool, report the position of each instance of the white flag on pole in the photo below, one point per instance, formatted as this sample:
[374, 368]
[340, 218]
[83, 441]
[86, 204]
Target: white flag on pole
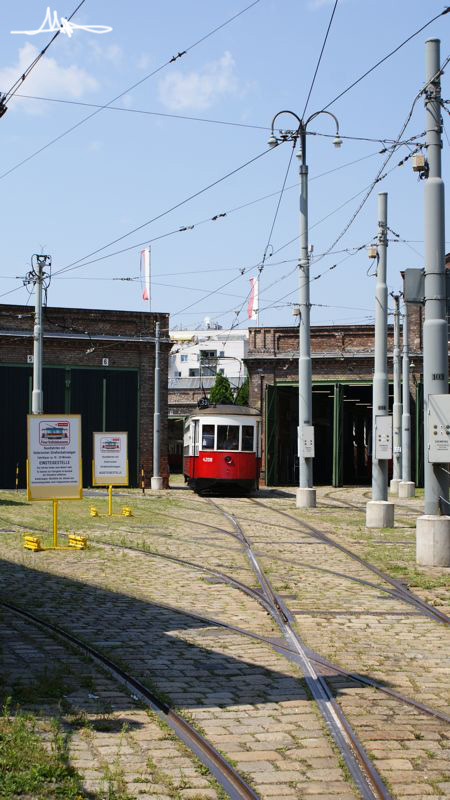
[253, 301]
[145, 273]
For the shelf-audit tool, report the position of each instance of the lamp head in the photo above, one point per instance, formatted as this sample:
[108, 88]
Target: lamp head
[337, 141]
[273, 141]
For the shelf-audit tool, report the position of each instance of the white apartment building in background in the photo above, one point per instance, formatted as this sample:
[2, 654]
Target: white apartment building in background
[197, 356]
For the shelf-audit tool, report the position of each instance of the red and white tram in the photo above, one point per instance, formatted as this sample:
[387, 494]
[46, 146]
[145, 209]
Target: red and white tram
[222, 448]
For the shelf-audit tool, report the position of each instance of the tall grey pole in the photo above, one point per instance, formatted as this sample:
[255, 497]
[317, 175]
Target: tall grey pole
[406, 487]
[156, 481]
[305, 495]
[435, 346]
[37, 397]
[380, 513]
[397, 406]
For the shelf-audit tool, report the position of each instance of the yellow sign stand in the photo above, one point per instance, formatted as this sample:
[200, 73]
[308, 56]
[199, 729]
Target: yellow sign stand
[33, 543]
[126, 510]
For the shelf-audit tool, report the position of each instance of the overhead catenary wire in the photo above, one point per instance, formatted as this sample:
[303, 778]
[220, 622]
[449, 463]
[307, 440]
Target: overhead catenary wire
[8, 95]
[166, 212]
[386, 57]
[154, 72]
[320, 57]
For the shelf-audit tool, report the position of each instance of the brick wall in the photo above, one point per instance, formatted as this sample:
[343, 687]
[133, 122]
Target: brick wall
[67, 343]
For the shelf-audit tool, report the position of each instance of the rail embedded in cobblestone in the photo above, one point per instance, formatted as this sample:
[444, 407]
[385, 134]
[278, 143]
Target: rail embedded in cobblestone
[403, 593]
[228, 778]
[365, 775]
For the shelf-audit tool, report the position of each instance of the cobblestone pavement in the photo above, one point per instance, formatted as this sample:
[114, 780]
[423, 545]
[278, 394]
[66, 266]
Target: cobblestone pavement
[157, 618]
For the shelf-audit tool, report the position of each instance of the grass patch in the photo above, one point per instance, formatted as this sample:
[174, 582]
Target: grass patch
[27, 768]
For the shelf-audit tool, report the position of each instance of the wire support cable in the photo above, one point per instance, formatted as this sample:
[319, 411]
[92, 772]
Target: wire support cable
[320, 58]
[5, 98]
[385, 58]
[171, 60]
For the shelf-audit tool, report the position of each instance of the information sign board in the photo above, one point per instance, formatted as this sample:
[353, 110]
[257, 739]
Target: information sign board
[439, 428]
[54, 470]
[383, 437]
[110, 467]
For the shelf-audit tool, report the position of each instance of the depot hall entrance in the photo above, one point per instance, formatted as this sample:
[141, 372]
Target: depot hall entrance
[342, 419]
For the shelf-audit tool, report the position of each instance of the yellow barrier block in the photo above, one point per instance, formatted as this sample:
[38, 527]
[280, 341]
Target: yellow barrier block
[127, 512]
[93, 511]
[77, 542]
[32, 543]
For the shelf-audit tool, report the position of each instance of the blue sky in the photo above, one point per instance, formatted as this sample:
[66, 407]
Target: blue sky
[120, 169]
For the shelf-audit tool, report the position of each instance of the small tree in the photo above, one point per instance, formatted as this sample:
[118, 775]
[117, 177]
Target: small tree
[221, 393]
[242, 394]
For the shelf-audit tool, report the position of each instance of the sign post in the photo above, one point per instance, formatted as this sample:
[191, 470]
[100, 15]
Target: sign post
[54, 467]
[110, 465]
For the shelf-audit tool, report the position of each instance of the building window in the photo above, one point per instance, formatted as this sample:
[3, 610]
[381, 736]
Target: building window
[183, 359]
[221, 371]
[228, 437]
[247, 437]
[207, 437]
[178, 374]
[222, 354]
[194, 373]
[205, 355]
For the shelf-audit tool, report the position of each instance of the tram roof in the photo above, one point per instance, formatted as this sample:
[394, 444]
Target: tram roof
[216, 411]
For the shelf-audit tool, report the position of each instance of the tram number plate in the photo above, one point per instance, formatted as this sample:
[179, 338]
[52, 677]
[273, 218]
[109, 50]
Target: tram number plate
[207, 459]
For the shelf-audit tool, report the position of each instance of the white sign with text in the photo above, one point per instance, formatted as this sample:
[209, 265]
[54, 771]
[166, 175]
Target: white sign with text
[54, 457]
[110, 466]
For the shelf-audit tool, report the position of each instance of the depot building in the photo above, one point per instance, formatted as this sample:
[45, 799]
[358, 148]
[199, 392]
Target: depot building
[97, 363]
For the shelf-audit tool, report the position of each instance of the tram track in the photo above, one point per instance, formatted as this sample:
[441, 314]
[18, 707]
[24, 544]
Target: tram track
[402, 591]
[365, 775]
[275, 603]
[225, 774]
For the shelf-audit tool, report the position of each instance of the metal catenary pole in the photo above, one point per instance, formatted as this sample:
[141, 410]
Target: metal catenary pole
[380, 379]
[156, 412]
[37, 397]
[304, 362]
[406, 404]
[435, 345]
[397, 406]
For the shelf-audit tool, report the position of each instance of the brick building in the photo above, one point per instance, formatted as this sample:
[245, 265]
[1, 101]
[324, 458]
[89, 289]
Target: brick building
[97, 363]
[342, 370]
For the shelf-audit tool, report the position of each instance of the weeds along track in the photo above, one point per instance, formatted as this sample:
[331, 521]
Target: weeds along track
[228, 778]
[401, 591]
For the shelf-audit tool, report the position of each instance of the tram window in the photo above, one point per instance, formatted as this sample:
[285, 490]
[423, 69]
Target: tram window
[247, 437]
[208, 437]
[228, 437]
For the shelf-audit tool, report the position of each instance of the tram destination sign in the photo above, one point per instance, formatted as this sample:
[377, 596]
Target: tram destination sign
[110, 464]
[54, 469]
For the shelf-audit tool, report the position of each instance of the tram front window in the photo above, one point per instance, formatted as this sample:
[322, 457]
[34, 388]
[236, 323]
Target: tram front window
[208, 437]
[247, 437]
[228, 437]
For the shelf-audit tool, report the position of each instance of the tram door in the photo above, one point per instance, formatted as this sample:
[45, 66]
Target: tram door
[196, 433]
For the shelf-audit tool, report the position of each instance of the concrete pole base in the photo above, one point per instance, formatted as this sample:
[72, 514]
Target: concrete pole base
[393, 487]
[305, 498]
[433, 541]
[407, 489]
[379, 514]
[156, 484]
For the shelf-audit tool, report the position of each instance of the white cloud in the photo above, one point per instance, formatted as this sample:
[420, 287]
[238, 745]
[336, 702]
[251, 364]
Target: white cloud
[47, 78]
[199, 90]
[110, 52]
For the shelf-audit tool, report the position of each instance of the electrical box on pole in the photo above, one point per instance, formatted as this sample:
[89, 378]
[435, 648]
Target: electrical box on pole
[439, 428]
[383, 437]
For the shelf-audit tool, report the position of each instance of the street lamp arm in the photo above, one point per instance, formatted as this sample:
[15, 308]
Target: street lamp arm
[317, 113]
[292, 113]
